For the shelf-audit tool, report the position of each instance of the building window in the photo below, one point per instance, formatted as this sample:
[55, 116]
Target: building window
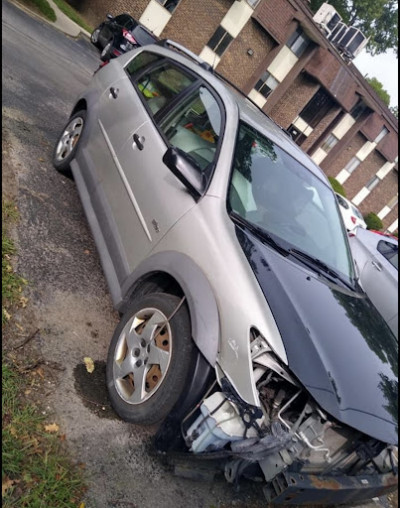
[329, 143]
[393, 202]
[352, 164]
[372, 183]
[253, 3]
[266, 84]
[381, 135]
[358, 110]
[317, 108]
[296, 134]
[170, 5]
[298, 42]
[220, 41]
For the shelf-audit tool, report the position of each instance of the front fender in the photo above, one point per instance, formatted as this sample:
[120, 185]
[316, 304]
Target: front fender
[200, 297]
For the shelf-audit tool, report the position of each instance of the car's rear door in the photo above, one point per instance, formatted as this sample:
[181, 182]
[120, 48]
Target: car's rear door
[143, 198]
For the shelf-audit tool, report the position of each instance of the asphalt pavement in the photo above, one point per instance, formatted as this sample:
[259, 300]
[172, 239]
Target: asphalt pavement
[43, 72]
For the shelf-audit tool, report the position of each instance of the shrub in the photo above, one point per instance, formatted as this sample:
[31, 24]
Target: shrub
[373, 221]
[336, 186]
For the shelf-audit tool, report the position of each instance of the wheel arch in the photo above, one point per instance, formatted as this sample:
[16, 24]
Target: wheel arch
[176, 273]
[79, 106]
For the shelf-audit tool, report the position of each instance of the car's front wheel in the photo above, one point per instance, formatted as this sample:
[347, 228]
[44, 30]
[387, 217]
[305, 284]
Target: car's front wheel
[150, 358]
[68, 142]
[94, 38]
[106, 53]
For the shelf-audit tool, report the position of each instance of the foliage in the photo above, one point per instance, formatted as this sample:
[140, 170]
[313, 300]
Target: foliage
[72, 14]
[35, 472]
[11, 283]
[336, 186]
[377, 19]
[44, 7]
[373, 221]
[378, 87]
[395, 111]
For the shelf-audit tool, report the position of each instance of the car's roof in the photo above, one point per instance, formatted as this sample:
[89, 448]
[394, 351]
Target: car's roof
[371, 238]
[249, 112]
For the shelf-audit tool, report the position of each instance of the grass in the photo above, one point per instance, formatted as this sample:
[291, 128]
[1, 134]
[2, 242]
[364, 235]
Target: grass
[43, 7]
[72, 14]
[35, 470]
[11, 283]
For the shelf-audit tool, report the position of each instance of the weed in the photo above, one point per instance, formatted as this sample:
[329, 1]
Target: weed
[72, 14]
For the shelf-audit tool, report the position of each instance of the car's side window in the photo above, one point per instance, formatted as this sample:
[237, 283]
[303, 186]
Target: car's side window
[141, 61]
[194, 126]
[159, 86]
[390, 251]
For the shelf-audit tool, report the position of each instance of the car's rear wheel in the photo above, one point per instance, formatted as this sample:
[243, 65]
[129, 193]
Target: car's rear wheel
[68, 142]
[150, 358]
[106, 53]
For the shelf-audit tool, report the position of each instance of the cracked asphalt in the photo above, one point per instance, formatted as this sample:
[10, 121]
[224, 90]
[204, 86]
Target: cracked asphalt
[43, 72]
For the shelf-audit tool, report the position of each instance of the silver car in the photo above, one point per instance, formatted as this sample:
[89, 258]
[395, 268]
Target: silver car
[243, 329]
[377, 259]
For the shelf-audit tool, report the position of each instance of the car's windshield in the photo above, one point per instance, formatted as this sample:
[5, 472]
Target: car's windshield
[270, 189]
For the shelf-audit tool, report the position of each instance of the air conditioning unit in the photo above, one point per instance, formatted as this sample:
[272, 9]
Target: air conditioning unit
[337, 33]
[353, 42]
[327, 18]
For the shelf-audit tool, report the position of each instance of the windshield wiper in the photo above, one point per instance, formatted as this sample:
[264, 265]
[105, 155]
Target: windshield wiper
[317, 263]
[260, 233]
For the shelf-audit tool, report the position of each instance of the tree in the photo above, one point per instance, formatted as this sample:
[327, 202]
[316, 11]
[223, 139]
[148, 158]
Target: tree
[377, 19]
[378, 87]
[395, 111]
[336, 186]
[373, 221]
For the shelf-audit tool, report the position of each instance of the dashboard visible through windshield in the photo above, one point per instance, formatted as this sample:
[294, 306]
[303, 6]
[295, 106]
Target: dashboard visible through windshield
[273, 191]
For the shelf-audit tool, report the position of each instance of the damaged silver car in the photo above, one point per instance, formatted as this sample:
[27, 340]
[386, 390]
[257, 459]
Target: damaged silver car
[244, 329]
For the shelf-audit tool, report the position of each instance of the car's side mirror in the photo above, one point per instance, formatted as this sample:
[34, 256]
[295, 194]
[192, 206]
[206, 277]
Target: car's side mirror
[186, 170]
[110, 17]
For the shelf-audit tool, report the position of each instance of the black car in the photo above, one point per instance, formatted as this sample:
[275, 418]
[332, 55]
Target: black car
[107, 30]
[119, 35]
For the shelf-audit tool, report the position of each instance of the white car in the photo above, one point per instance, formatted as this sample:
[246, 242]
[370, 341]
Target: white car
[351, 214]
[377, 260]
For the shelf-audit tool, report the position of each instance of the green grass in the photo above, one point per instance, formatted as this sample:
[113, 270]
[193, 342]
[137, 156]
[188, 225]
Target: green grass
[44, 7]
[35, 472]
[72, 14]
[11, 283]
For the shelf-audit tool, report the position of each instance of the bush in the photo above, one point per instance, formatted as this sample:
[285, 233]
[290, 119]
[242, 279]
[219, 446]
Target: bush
[336, 186]
[373, 221]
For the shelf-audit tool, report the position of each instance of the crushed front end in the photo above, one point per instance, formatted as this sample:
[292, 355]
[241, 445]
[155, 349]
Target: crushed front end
[301, 453]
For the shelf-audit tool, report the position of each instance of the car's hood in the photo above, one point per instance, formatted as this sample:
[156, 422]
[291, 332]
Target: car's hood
[337, 344]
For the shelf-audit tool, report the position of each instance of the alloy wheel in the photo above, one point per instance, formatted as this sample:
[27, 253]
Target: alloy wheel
[69, 138]
[142, 356]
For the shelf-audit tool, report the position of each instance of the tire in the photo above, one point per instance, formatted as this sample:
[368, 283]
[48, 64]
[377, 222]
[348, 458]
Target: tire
[68, 142]
[106, 53]
[134, 352]
[94, 38]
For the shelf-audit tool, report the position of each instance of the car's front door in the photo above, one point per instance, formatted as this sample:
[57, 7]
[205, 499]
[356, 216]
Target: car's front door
[162, 105]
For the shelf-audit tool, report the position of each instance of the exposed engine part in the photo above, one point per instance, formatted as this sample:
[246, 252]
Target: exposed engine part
[219, 423]
[290, 432]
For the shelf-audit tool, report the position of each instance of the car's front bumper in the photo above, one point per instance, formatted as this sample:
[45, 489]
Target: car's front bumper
[305, 489]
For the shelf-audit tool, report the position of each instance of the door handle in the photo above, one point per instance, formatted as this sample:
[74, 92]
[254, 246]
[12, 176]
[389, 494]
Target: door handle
[376, 265]
[138, 140]
[114, 92]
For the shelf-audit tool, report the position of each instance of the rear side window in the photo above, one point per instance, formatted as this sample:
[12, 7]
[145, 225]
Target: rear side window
[342, 201]
[390, 251]
[159, 86]
[141, 61]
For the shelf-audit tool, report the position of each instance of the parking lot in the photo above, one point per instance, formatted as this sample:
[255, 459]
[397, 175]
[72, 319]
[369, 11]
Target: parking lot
[69, 303]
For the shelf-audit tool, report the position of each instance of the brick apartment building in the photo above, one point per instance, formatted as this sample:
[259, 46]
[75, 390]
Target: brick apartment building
[275, 52]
